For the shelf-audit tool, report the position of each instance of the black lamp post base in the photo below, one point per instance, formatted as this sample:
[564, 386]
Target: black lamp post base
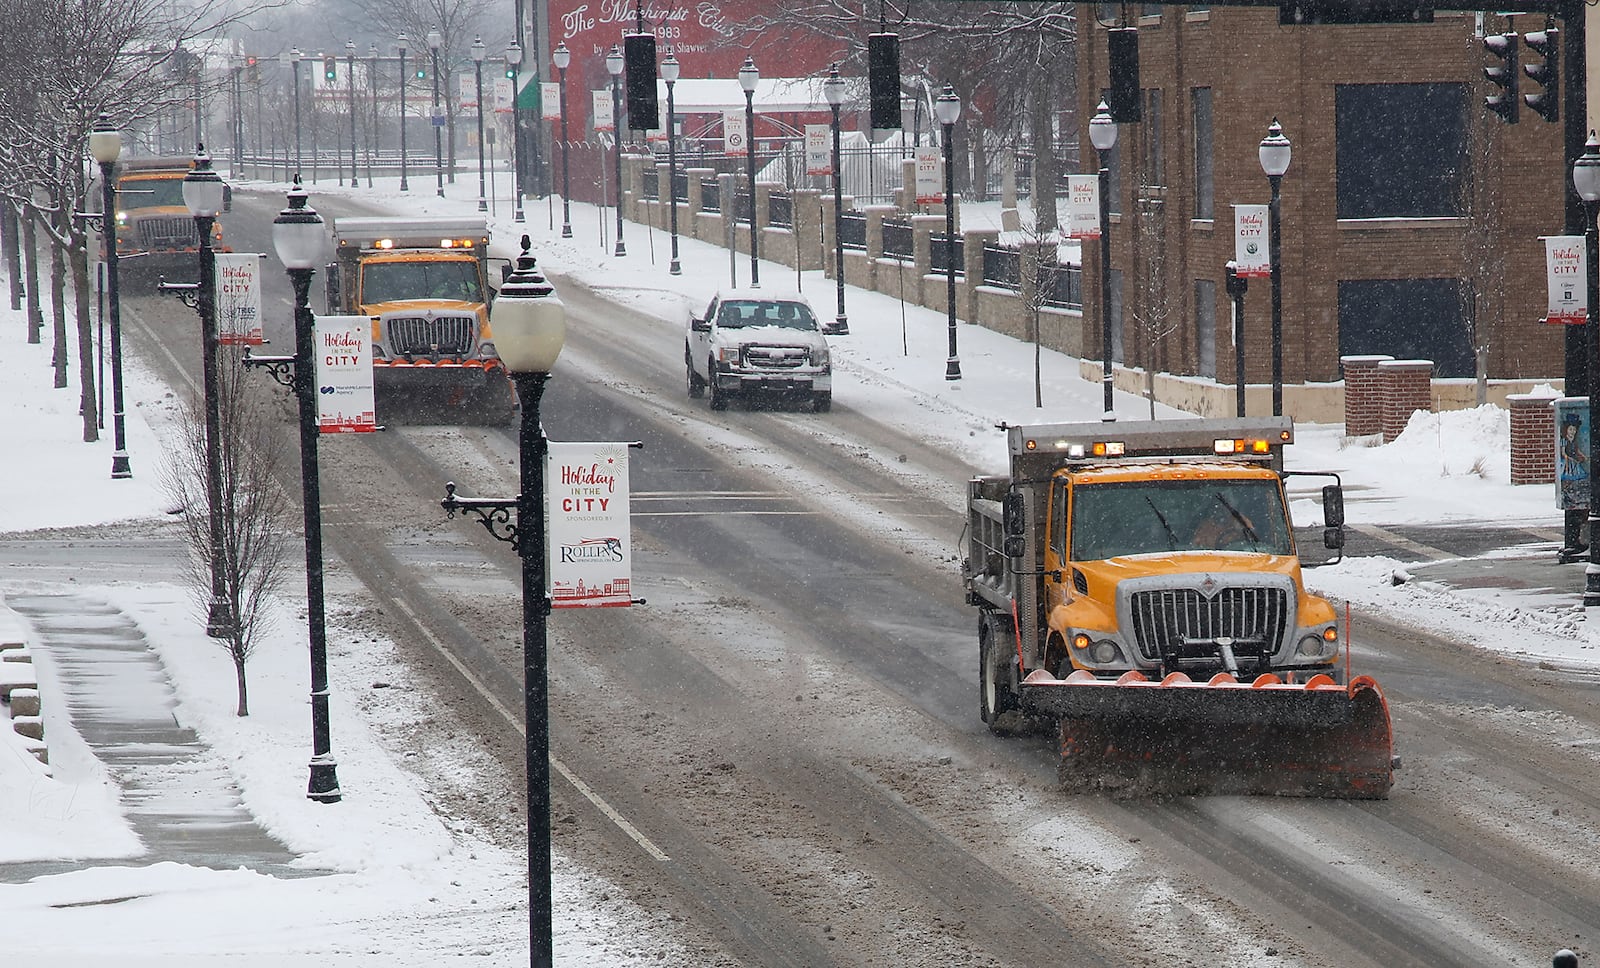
[483, 206]
[675, 269]
[120, 467]
[566, 230]
[324, 785]
[839, 327]
[952, 369]
[621, 249]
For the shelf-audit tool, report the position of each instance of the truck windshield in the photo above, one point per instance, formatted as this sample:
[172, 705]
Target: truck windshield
[135, 193]
[1161, 517]
[395, 281]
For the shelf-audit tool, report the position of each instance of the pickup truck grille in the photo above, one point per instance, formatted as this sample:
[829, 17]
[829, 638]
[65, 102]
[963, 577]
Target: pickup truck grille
[1184, 623]
[776, 357]
[176, 232]
[429, 335]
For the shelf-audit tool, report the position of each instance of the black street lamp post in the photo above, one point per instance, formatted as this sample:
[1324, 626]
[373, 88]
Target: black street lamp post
[479, 51]
[300, 241]
[669, 73]
[401, 46]
[1274, 153]
[203, 195]
[514, 59]
[748, 76]
[562, 58]
[833, 88]
[374, 143]
[350, 66]
[948, 108]
[530, 326]
[292, 60]
[105, 144]
[1237, 287]
[1586, 179]
[614, 64]
[437, 118]
[1103, 135]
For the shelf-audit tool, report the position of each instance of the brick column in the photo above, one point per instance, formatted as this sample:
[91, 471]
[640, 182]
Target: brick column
[1406, 386]
[1533, 438]
[1363, 403]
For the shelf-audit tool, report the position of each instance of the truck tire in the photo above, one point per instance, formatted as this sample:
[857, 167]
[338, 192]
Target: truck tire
[719, 397]
[996, 697]
[822, 401]
[697, 386]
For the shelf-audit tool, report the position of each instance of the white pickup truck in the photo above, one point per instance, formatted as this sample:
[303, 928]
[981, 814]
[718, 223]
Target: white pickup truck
[750, 341]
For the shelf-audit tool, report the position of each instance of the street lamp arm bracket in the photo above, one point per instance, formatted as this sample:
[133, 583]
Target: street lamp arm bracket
[493, 513]
[187, 292]
[93, 221]
[280, 368]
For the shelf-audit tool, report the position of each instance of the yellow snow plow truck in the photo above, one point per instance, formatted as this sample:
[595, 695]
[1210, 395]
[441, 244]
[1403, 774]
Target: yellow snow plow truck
[1138, 586]
[425, 284]
[155, 232]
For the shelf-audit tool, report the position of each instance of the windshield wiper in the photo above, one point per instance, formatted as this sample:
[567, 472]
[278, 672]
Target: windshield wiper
[1172, 537]
[1244, 522]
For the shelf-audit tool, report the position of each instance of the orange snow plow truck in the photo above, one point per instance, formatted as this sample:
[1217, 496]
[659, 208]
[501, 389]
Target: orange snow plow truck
[1138, 586]
[425, 284]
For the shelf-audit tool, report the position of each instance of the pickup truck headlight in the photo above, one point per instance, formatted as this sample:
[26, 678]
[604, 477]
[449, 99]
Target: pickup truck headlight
[728, 355]
[819, 356]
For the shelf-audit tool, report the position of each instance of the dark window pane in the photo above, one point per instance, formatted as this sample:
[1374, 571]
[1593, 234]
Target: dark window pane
[1408, 319]
[1201, 97]
[1401, 149]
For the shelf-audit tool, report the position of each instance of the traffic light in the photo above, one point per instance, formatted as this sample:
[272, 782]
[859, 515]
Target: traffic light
[511, 70]
[254, 67]
[1503, 47]
[1547, 44]
[421, 73]
[330, 68]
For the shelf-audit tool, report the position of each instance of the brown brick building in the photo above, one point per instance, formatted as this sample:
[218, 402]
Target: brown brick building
[1411, 216]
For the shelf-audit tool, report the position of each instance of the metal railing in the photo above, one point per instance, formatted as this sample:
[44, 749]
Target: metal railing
[780, 210]
[853, 230]
[898, 240]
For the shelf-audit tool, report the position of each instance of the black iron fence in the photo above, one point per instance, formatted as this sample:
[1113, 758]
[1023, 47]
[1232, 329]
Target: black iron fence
[1060, 286]
[897, 240]
[942, 254]
[780, 210]
[853, 230]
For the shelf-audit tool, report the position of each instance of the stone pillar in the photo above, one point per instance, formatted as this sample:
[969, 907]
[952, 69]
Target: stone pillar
[1363, 401]
[906, 195]
[1406, 387]
[929, 292]
[972, 243]
[1533, 438]
[689, 218]
[808, 231]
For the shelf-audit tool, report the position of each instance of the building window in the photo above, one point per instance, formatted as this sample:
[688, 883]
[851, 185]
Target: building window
[1401, 149]
[1203, 139]
[1205, 328]
[1408, 319]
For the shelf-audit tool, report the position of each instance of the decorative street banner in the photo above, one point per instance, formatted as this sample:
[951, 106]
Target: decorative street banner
[819, 149]
[502, 95]
[1566, 266]
[239, 298]
[733, 132]
[586, 487]
[603, 121]
[1083, 206]
[343, 345]
[928, 170]
[551, 95]
[1252, 250]
[467, 90]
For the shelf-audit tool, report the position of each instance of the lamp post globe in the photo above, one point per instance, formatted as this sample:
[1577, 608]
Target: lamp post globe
[400, 45]
[105, 146]
[947, 108]
[614, 64]
[1274, 154]
[1103, 135]
[749, 76]
[562, 57]
[301, 241]
[670, 70]
[435, 39]
[833, 90]
[514, 59]
[203, 193]
[1586, 179]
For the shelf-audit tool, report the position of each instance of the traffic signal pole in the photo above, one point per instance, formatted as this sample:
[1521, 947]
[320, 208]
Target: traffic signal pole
[1574, 102]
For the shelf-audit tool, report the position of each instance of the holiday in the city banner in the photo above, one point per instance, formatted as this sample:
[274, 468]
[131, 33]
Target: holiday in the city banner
[819, 149]
[1083, 206]
[343, 349]
[590, 552]
[1566, 266]
[1251, 242]
[239, 298]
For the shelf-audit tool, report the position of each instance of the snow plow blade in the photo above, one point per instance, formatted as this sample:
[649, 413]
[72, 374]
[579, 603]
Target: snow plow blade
[1138, 737]
[450, 394]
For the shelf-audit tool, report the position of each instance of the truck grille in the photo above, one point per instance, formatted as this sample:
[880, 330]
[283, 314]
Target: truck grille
[776, 357]
[176, 232]
[429, 335]
[1185, 623]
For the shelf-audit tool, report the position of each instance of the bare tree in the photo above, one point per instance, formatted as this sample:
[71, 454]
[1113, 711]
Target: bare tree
[1152, 309]
[255, 512]
[1485, 267]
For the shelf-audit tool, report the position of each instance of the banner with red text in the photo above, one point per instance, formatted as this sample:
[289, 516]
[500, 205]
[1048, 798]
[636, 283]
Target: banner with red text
[819, 149]
[550, 98]
[239, 298]
[343, 348]
[590, 550]
[733, 133]
[603, 119]
[1083, 206]
[1566, 266]
[1252, 253]
[929, 184]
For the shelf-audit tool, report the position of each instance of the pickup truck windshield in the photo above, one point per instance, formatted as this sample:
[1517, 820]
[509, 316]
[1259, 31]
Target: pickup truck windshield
[394, 281]
[738, 313]
[1151, 517]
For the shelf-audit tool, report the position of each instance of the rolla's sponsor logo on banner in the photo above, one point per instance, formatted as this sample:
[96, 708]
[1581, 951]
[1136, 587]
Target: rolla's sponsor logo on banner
[1252, 247]
[1566, 264]
[1083, 206]
[343, 348]
[586, 485]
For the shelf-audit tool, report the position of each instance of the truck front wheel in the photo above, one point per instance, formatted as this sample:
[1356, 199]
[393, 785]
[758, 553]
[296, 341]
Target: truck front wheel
[697, 386]
[996, 696]
[719, 396]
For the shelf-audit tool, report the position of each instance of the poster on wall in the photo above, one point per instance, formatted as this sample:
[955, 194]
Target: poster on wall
[343, 348]
[590, 551]
[1566, 267]
[1252, 253]
[238, 285]
[1083, 206]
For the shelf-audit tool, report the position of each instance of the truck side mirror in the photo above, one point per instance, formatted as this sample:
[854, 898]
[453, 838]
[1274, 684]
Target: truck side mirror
[1015, 512]
[1014, 546]
[227, 197]
[1333, 506]
[698, 325]
[331, 289]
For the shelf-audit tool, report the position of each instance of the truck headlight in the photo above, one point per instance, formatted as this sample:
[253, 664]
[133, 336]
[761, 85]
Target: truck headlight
[1318, 645]
[728, 355]
[819, 356]
[1099, 652]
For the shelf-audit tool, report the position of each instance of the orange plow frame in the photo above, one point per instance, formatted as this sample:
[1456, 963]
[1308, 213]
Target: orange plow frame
[1178, 736]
